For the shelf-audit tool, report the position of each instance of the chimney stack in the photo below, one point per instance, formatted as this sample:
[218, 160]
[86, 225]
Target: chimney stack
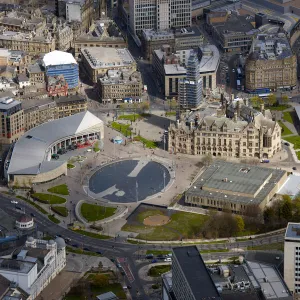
[235, 117]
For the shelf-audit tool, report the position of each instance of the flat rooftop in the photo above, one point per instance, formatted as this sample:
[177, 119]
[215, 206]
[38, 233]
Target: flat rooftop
[270, 281]
[102, 57]
[210, 59]
[236, 24]
[241, 183]
[17, 266]
[292, 231]
[195, 272]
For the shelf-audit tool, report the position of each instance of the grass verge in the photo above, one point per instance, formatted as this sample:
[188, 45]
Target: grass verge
[79, 251]
[156, 271]
[34, 204]
[61, 189]
[170, 113]
[48, 198]
[158, 252]
[60, 210]
[284, 129]
[92, 212]
[280, 107]
[274, 246]
[93, 235]
[123, 128]
[70, 166]
[53, 219]
[147, 143]
[287, 116]
[294, 140]
[132, 117]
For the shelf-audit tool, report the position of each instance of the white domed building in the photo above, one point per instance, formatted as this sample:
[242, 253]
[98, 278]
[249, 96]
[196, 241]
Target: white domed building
[24, 222]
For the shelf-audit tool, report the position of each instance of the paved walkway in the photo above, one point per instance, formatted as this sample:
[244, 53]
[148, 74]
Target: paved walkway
[143, 272]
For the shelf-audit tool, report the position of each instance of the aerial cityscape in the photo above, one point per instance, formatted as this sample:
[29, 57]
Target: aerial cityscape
[149, 149]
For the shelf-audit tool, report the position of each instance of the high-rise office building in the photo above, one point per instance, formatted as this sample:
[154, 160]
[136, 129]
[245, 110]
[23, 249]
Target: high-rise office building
[159, 14]
[190, 88]
[292, 257]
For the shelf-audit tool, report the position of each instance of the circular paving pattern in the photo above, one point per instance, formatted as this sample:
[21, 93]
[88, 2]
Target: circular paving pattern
[129, 180]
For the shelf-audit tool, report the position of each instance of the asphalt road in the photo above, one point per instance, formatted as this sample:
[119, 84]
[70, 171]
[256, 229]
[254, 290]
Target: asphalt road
[117, 248]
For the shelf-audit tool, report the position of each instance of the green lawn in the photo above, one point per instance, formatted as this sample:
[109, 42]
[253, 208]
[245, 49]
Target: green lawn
[147, 143]
[61, 189]
[158, 252]
[60, 210]
[34, 204]
[48, 198]
[70, 166]
[123, 128]
[93, 235]
[214, 250]
[133, 117]
[287, 116]
[285, 130]
[280, 107]
[298, 154]
[170, 113]
[92, 212]
[181, 225]
[53, 219]
[79, 251]
[156, 271]
[294, 140]
[274, 246]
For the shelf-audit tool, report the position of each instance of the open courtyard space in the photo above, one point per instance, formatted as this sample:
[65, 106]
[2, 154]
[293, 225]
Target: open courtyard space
[131, 180]
[157, 223]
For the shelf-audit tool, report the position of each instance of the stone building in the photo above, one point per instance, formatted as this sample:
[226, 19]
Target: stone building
[248, 133]
[39, 111]
[36, 73]
[271, 64]
[97, 61]
[104, 34]
[64, 37]
[117, 85]
[33, 45]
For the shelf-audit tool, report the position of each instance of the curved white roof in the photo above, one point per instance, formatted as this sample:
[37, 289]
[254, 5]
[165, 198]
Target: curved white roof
[29, 155]
[58, 58]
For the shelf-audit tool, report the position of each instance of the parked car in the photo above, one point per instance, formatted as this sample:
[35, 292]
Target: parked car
[168, 259]
[160, 256]
[119, 265]
[294, 168]
[67, 240]
[154, 261]
[169, 255]
[149, 256]
[14, 202]
[32, 214]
